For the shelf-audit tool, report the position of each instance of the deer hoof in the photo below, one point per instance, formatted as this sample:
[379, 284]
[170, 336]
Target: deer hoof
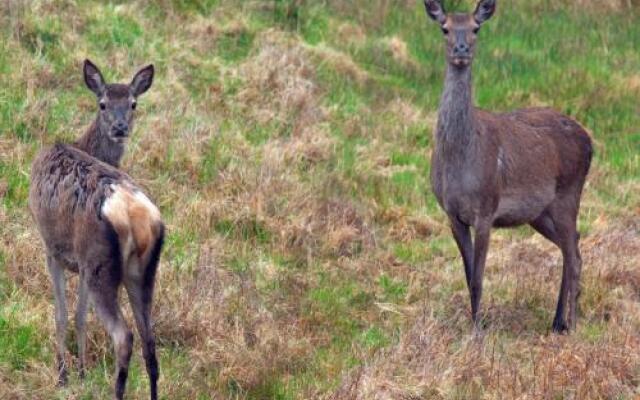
[62, 378]
[560, 327]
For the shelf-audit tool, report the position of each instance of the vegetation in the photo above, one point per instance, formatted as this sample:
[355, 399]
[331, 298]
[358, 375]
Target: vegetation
[287, 143]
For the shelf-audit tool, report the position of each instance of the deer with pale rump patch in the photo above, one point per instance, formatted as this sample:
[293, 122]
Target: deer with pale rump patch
[95, 221]
[502, 170]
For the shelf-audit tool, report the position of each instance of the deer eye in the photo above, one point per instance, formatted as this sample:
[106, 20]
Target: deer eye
[103, 106]
[445, 31]
[133, 105]
[476, 30]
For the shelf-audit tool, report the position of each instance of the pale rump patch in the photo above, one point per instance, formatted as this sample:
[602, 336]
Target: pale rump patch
[136, 220]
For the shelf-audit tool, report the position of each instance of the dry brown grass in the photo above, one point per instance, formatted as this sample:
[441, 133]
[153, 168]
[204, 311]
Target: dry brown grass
[225, 323]
[271, 279]
[432, 360]
[279, 81]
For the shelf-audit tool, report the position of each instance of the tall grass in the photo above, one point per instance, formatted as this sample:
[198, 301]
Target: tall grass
[287, 144]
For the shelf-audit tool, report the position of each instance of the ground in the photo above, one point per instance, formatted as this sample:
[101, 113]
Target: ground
[287, 144]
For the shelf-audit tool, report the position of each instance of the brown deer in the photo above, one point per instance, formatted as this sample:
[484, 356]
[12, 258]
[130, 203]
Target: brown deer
[95, 221]
[503, 170]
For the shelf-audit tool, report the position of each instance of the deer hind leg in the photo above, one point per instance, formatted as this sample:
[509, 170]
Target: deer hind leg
[140, 290]
[80, 322]
[576, 272]
[140, 297]
[544, 226]
[105, 300]
[564, 219]
[59, 282]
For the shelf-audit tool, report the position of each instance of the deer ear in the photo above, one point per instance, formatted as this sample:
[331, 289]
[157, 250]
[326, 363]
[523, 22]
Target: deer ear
[435, 10]
[142, 80]
[484, 10]
[93, 78]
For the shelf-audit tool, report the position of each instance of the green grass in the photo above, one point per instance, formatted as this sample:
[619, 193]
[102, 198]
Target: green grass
[411, 252]
[110, 30]
[17, 188]
[228, 165]
[20, 341]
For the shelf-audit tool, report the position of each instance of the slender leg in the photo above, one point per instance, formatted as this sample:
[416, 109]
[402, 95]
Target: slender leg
[574, 288]
[564, 219]
[58, 280]
[80, 319]
[462, 236]
[140, 290]
[559, 323]
[140, 297]
[578, 242]
[105, 300]
[546, 227]
[481, 246]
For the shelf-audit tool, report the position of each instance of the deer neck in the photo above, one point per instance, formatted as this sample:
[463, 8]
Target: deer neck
[456, 115]
[97, 144]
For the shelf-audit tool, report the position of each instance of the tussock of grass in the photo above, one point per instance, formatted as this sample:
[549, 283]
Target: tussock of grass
[288, 144]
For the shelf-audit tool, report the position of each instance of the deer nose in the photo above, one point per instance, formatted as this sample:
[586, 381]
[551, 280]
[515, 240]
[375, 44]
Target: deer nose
[121, 128]
[461, 49]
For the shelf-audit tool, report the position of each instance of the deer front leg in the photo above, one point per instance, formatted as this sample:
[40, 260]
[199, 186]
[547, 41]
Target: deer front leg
[462, 236]
[481, 246]
[58, 281]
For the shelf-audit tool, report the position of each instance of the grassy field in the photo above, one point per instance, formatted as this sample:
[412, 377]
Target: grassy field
[287, 144]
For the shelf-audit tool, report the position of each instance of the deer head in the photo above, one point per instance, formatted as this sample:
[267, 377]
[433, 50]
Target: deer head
[116, 102]
[460, 30]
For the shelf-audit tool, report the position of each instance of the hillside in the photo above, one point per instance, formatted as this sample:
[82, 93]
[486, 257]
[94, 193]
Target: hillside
[287, 144]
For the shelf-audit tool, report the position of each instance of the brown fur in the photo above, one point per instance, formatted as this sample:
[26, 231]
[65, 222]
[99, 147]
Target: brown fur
[95, 221]
[500, 170]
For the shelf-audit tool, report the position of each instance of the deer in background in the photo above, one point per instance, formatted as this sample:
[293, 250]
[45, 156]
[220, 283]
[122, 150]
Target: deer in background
[503, 170]
[96, 222]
